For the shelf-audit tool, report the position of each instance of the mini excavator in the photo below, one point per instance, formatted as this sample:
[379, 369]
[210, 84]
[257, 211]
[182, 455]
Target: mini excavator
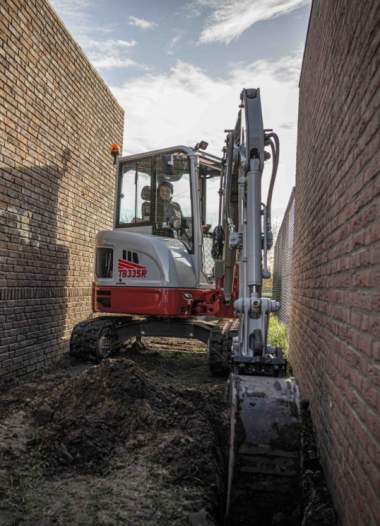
[153, 278]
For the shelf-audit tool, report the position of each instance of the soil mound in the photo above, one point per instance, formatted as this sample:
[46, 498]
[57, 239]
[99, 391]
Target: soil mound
[117, 403]
[119, 414]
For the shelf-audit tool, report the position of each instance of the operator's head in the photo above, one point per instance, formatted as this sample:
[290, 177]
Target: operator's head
[165, 191]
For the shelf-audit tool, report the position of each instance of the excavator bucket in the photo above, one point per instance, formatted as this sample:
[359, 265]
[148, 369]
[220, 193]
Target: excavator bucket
[264, 459]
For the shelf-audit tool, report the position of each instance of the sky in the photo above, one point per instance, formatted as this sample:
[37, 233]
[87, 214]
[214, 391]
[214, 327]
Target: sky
[178, 66]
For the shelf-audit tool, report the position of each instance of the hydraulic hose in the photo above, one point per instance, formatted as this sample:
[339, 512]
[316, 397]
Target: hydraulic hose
[274, 144]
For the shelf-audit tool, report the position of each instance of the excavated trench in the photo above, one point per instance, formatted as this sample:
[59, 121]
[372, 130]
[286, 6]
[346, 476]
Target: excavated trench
[140, 439]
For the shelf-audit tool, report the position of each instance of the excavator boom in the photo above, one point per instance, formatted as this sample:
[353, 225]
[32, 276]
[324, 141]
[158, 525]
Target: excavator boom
[264, 458]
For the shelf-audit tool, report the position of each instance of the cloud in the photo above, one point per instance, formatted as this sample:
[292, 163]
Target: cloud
[287, 125]
[109, 45]
[113, 62]
[186, 105]
[142, 23]
[74, 13]
[229, 19]
[108, 53]
[173, 43]
[70, 7]
[102, 51]
[126, 43]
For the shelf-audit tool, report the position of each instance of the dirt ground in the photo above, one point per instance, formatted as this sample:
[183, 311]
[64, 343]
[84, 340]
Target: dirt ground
[134, 440]
[140, 439]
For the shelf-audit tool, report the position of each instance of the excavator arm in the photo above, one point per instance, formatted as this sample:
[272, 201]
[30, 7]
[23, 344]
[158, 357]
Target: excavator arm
[264, 404]
[248, 228]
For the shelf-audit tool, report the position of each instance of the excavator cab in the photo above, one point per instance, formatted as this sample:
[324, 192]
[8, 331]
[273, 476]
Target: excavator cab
[157, 260]
[172, 193]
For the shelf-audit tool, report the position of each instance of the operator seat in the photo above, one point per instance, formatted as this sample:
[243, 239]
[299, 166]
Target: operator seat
[145, 207]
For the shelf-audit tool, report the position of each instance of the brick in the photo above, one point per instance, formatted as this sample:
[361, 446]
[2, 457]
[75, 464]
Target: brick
[333, 298]
[54, 197]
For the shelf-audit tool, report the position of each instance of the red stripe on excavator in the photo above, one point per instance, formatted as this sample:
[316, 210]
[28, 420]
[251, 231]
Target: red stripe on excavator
[123, 263]
[154, 301]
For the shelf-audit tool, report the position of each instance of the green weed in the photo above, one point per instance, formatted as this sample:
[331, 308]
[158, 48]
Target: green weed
[277, 334]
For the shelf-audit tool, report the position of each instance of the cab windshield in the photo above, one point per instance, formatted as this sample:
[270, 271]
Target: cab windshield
[155, 192]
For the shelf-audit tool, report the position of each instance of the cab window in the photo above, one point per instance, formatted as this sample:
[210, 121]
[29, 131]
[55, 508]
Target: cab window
[156, 191]
[135, 193]
[173, 215]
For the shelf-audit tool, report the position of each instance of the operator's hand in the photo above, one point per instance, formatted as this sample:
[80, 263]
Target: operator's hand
[175, 219]
[176, 223]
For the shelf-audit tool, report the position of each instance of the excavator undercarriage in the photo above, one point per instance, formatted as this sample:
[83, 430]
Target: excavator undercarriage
[98, 338]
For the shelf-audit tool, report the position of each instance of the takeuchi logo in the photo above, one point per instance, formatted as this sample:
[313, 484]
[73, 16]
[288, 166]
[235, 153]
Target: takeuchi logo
[127, 269]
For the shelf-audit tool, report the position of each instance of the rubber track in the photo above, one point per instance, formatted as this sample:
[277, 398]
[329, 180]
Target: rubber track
[219, 351]
[84, 341]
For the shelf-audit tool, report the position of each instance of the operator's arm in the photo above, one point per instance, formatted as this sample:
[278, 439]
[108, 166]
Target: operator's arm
[175, 215]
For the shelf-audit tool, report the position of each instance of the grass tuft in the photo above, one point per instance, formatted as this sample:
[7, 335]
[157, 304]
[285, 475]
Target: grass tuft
[278, 334]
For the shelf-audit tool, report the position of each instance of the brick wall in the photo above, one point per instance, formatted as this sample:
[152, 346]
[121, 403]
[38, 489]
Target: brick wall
[335, 331]
[57, 120]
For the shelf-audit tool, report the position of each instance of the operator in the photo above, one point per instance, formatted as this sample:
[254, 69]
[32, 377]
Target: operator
[168, 211]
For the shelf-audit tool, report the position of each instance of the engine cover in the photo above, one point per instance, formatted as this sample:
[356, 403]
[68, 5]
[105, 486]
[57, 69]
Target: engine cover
[145, 260]
[140, 273]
